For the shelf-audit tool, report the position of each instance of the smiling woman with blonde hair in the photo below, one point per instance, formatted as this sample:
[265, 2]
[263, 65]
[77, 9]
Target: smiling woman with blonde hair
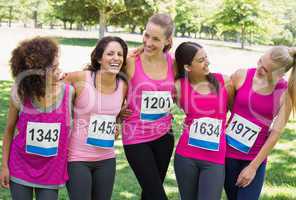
[261, 109]
[147, 137]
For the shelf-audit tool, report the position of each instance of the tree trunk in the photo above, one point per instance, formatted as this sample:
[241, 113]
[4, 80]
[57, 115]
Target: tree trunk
[10, 16]
[35, 19]
[133, 28]
[65, 25]
[102, 28]
[243, 37]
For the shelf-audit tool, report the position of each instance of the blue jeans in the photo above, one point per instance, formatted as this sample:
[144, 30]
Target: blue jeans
[233, 167]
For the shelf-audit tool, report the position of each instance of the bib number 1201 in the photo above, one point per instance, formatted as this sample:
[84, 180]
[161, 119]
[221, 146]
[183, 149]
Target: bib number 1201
[155, 105]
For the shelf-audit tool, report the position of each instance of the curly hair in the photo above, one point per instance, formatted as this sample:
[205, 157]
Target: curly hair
[29, 62]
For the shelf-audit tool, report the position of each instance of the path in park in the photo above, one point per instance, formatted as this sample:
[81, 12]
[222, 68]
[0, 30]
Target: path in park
[224, 57]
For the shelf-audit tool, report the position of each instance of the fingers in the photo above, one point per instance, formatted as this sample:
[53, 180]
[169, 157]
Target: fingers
[116, 133]
[136, 52]
[247, 184]
[5, 182]
[62, 76]
[125, 113]
[243, 181]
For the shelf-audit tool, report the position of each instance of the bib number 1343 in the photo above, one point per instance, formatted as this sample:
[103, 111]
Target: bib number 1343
[205, 133]
[241, 134]
[42, 138]
[101, 131]
[155, 104]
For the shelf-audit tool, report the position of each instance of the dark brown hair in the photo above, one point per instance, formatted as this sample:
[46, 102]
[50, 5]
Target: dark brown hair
[184, 55]
[97, 54]
[29, 62]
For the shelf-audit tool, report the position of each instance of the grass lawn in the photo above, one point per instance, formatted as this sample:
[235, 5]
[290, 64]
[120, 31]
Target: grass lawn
[87, 42]
[280, 181]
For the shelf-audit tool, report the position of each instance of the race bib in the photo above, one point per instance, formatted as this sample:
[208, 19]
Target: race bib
[42, 138]
[155, 104]
[241, 134]
[205, 133]
[101, 131]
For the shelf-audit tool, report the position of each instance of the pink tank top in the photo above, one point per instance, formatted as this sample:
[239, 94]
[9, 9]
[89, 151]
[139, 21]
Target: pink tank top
[148, 125]
[32, 162]
[92, 102]
[259, 111]
[198, 107]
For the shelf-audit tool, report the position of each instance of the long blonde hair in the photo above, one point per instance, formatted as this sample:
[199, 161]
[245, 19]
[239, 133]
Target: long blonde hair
[286, 57]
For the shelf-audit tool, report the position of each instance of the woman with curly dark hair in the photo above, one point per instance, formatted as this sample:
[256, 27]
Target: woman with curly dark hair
[35, 141]
[100, 91]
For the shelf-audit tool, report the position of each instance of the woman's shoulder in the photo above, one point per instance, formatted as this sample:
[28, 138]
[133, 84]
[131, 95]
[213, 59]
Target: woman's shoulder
[76, 76]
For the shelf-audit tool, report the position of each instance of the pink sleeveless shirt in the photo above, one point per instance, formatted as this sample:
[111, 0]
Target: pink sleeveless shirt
[136, 129]
[198, 106]
[90, 102]
[31, 163]
[258, 109]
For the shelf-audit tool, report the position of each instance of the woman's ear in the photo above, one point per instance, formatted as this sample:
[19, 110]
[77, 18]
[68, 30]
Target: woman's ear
[187, 68]
[170, 41]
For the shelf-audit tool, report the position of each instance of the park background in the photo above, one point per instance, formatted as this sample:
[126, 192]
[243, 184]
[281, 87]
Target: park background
[235, 33]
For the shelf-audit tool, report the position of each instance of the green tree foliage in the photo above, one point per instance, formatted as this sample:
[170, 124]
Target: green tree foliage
[196, 17]
[253, 21]
[66, 10]
[241, 16]
[105, 10]
[8, 11]
[186, 17]
[135, 15]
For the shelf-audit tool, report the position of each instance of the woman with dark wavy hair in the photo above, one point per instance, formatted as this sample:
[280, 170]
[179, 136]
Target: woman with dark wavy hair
[36, 136]
[100, 90]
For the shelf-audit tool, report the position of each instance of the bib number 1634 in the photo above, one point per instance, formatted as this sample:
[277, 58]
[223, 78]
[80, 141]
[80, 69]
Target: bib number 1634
[205, 133]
